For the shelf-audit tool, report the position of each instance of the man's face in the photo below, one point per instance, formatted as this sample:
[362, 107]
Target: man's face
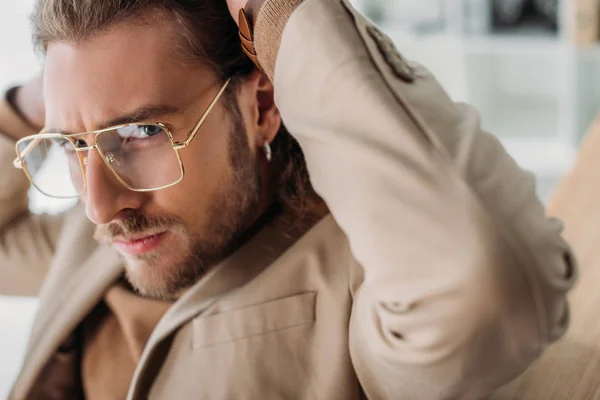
[167, 237]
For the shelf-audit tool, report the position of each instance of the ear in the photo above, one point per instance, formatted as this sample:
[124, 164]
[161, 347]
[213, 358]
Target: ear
[266, 119]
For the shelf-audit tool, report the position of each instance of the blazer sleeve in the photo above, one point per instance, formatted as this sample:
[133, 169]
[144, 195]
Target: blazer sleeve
[27, 241]
[465, 278]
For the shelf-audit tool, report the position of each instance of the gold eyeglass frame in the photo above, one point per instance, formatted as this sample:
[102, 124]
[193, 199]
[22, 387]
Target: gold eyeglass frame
[177, 146]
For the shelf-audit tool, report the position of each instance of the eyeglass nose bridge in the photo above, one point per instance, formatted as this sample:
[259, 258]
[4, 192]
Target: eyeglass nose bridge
[108, 158]
[85, 149]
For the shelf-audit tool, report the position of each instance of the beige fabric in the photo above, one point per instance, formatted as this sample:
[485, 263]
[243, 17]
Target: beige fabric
[463, 273]
[570, 369]
[115, 335]
[270, 24]
[463, 278]
[11, 123]
[27, 242]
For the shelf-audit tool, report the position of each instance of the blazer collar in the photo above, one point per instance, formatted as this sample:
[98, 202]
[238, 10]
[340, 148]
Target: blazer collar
[81, 289]
[78, 289]
[244, 265]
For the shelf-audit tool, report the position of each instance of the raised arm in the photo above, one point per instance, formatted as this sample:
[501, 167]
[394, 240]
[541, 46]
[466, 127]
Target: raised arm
[27, 241]
[465, 277]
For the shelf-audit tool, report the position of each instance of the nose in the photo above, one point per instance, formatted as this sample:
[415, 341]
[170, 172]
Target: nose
[106, 197]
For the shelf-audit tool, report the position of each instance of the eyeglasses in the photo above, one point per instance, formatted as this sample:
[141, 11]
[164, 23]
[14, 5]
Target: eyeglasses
[142, 157]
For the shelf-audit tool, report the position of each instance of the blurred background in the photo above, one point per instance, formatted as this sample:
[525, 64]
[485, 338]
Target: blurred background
[531, 67]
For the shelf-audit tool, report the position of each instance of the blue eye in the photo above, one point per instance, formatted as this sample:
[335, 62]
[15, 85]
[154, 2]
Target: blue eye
[151, 130]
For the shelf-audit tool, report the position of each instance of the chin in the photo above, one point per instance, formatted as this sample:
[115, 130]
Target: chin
[175, 265]
[156, 278]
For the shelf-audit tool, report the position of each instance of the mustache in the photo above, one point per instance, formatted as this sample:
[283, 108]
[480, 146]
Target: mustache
[134, 223]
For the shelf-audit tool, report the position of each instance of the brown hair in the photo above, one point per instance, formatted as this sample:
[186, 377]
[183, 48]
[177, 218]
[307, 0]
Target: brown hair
[210, 37]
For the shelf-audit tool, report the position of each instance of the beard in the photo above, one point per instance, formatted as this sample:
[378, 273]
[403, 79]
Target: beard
[231, 212]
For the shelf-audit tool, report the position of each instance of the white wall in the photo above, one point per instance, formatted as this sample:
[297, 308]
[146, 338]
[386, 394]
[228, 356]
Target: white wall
[17, 61]
[16, 315]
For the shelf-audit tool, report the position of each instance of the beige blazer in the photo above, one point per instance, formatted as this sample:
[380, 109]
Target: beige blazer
[438, 275]
[571, 369]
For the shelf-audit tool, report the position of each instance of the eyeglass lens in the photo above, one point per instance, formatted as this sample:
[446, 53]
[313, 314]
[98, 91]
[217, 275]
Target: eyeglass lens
[141, 156]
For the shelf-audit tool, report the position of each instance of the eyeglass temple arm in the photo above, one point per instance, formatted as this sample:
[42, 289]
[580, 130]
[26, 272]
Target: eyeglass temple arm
[194, 131]
[17, 163]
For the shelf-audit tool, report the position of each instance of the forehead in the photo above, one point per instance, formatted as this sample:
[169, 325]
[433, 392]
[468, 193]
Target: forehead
[116, 71]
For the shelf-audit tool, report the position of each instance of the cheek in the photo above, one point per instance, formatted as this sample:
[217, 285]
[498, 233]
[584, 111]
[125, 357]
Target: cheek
[207, 172]
[206, 160]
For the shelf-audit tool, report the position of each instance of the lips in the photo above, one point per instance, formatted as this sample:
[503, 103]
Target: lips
[141, 245]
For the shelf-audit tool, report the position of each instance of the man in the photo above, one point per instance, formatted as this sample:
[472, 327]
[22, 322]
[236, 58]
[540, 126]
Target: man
[221, 273]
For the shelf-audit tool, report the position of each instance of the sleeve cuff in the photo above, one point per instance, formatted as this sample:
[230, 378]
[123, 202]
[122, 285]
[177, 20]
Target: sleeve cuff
[271, 21]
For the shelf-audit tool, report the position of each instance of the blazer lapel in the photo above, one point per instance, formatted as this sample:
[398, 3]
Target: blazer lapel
[74, 295]
[234, 272]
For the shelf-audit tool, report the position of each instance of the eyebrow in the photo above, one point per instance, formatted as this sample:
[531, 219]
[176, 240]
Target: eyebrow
[144, 113]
